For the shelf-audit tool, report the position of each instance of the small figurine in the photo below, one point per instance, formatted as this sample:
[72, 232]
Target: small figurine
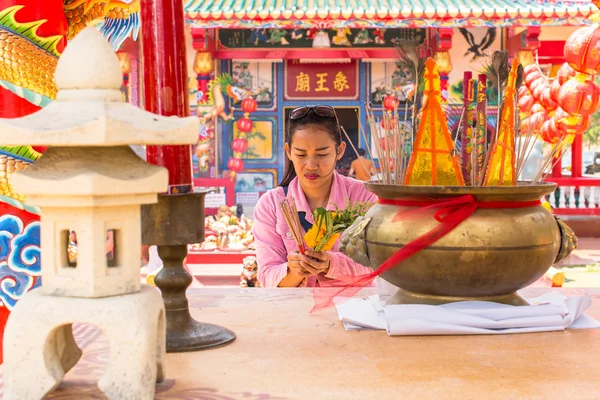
[379, 36]
[340, 37]
[363, 37]
[278, 36]
[258, 35]
[297, 34]
[312, 33]
[248, 277]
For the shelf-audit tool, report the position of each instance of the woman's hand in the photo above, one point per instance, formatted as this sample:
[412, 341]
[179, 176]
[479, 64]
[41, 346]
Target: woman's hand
[295, 264]
[315, 263]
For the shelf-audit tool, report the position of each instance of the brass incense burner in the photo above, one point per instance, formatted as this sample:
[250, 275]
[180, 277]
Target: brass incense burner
[489, 256]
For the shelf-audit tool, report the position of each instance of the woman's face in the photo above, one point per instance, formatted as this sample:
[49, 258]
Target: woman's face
[314, 155]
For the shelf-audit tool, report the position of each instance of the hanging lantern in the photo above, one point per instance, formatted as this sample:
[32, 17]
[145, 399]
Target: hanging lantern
[244, 125]
[538, 108]
[235, 164]
[564, 73]
[523, 91]
[550, 132]
[571, 124]
[538, 88]
[249, 105]
[533, 123]
[532, 75]
[547, 101]
[203, 63]
[582, 50]
[579, 95]
[443, 62]
[390, 102]
[525, 103]
[239, 145]
[554, 89]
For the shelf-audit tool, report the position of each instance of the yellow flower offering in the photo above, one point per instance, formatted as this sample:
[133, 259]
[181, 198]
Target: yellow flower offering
[330, 224]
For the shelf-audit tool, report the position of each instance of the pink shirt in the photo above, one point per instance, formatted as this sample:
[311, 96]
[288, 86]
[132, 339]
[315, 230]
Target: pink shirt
[274, 240]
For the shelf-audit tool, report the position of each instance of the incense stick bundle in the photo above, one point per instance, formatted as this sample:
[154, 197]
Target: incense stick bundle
[290, 213]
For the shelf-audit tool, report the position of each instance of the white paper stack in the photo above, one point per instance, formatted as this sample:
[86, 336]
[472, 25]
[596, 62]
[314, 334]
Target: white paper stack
[551, 312]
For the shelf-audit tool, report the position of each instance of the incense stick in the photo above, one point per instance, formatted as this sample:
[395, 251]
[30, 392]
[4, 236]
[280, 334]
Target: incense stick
[290, 213]
[355, 151]
[362, 133]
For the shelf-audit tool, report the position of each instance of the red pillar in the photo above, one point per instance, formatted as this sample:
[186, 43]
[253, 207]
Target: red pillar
[577, 157]
[165, 80]
[557, 169]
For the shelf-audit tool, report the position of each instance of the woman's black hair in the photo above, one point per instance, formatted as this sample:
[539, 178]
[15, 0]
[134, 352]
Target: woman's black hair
[328, 124]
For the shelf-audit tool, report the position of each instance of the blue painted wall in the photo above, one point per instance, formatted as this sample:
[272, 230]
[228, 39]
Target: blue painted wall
[226, 131]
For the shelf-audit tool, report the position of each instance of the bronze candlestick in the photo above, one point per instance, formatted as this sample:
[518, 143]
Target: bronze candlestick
[171, 224]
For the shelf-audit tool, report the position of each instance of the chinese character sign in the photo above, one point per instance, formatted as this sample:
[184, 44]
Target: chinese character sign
[326, 81]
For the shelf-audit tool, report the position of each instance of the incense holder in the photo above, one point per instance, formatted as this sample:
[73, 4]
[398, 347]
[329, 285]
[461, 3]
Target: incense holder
[489, 256]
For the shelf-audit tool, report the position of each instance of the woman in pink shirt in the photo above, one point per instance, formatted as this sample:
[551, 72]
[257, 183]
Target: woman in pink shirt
[313, 145]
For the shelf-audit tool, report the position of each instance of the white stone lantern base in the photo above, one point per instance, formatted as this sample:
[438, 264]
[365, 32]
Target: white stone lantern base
[36, 363]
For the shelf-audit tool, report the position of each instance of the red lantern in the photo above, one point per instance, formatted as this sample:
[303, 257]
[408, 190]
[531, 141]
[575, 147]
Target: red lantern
[390, 102]
[578, 95]
[550, 133]
[523, 91]
[571, 124]
[540, 80]
[539, 88]
[235, 164]
[532, 77]
[244, 125]
[538, 108]
[565, 72]
[533, 123]
[525, 103]
[554, 88]
[582, 50]
[547, 101]
[529, 69]
[249, 105]
[239, 145]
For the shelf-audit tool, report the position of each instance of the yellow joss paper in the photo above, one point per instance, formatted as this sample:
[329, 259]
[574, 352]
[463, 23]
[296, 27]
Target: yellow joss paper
[501, 170]
[432, 162]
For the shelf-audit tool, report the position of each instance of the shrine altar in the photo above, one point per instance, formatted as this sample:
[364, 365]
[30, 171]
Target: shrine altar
[282, 352]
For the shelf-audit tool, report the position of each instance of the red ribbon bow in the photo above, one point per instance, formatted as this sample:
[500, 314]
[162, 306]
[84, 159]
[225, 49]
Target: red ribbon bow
[450, 213]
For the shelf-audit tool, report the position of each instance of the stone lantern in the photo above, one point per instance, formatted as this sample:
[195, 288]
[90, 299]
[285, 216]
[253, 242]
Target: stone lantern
[91, 183]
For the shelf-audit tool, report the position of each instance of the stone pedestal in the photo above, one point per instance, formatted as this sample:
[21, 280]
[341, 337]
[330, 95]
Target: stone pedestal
[40, 349]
